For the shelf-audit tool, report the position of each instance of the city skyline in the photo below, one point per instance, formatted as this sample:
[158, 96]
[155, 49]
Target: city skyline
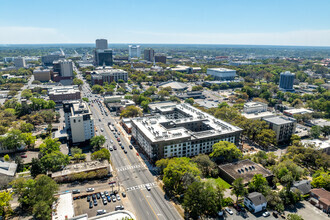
[297, 23]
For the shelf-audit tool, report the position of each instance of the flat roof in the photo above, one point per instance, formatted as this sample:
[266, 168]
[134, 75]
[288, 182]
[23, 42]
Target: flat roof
[318, 143]
[221, 69]
[8, 168]
[245, 169]
[116, 215]
[174, 85]
[279, 120]
[254, 104]
[266, 114]
[63, 207]
[155, 105]
[298, 111]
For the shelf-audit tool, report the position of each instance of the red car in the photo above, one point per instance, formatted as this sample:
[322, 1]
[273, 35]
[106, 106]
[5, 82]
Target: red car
[23, 156]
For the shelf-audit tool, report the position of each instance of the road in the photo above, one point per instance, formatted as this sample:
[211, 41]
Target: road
[26, 86]
[132, 172]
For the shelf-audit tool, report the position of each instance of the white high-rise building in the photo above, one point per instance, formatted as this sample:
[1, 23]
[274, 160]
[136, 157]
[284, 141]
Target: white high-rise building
[79, 121]
[64, 68]
[134, 51]
[101, 44]
[19, 62]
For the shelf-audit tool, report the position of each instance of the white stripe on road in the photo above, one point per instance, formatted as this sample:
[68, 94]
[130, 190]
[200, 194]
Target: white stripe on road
[142, 186]
[120, 169]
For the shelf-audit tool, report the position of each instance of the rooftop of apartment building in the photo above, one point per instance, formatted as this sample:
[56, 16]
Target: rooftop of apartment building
[8, 168]
[190, 123]
[280, 120]
[64, 90]
[254, 104]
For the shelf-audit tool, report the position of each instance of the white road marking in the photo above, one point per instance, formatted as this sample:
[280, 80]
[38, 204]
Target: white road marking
[129, 167]
[142, 186]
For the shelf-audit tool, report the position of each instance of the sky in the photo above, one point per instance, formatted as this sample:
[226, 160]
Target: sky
[247, 22]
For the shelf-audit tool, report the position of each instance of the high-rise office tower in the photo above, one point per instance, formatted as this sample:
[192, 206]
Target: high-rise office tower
[103, 57]
[134, 51]
[19, 62]
[149, 54]
[286, 81]
[101, 44]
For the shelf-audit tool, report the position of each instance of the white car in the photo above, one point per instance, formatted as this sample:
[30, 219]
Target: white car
[90, 190]
[148, 187]
[118, 197]
[111, 148]
[229, 211]
[265, 214]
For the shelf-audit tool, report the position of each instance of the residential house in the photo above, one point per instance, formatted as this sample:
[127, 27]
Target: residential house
[255, 202]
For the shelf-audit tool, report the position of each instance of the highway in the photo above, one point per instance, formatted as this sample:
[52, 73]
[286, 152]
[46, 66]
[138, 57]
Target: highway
[132, 173]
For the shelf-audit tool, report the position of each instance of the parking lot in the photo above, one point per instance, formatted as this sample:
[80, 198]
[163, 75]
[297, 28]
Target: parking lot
[81, 205]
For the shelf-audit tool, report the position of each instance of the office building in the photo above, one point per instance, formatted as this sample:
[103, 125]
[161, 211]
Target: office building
[100, 76]
[284, 127]
[186, 69]
[180, 130]
[134, 51]
[64, 93]
[176, 86]
[79, 121]
[286, 81]
[149, 55]
[221, 73]
[19, 62]
[256, 110]
[64, 68]
[101, 44]
[48, 60]
[42, 75]
[160, 58]
[103, 57]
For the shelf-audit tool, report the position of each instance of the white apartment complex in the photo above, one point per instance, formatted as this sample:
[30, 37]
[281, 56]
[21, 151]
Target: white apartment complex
[221, 73]
[79, 121]
[180, 130]
[134, 51]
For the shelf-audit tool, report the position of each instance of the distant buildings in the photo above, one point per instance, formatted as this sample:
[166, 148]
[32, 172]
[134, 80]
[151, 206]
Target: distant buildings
[296, 111]
[64, 93]
[186, 69]
[160, 58]
[64, 68]
[100, 76]
[286, 81]
[101, 44]
[180, 130]
[103, 57]
[79, 121]
[48, 60]
[284, 127]
[149, 55]
[256, 110]
[134, 51]
[19, 62]
[176, 86]
[240, 63]
[194, 95]
[323, 145]
[221, 73]
[245, 169]
[42, 75]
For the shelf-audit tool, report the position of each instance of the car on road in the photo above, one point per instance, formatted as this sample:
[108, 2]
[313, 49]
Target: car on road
[75, 191]
[23, 156]
[111, 141]
[99, 119]
[122, 147]
[101, 212]
[95, 202]
[229, 211]
[90, 190]
[119, 207]
[123, 194]
[118, 139]
[130, 147]
[114, 147]
[125, 151]
[90, 204]
[148, 187]
[111, 148]
[113, 198]
[265, 214]
[118, 197]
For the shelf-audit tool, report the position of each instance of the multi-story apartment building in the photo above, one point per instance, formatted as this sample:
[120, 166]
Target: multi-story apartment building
[286, 81]
[79, 121]
[221, 73]
[160, 58]
[48, 60]
[284, 127]
[19, 62]
[101, 44]
[64, 93]
[100, 76]
[180, 130]
[64, 68]
[42, 75]
[149, 54]
[134, 51]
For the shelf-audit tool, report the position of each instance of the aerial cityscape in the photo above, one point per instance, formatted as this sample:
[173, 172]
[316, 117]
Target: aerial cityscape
[143, 110]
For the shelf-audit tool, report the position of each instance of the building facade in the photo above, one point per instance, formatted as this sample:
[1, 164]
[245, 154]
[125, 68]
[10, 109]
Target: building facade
[19, 62]
[159, 58]
[79, 121]
[254, 107]
[149, 55]
[48, 60]
[134, 51]
[286, 81]
[221, 73]
[42, 75]
[100, 76]
[255, 202]
[64, 93]
[180, 130]
[64, 68]
[101, 44]
[284, 127]
[103, 57]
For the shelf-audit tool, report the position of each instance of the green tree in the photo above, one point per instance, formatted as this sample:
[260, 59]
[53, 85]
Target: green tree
[98, 89]
[258, 184]
[225, 151]
[103, 154]
[266, 138]
[5, 208]
[190, 101]
[315, 131]
[130, 112]
[49, 145]
[37, 167]
[26, 127]
[274, 201]
[321, 179]
[85, 99]
[238, 188]
[6, 157]
[78, 82]
[197, 88]
[325, 130]
[204, 164]
[97, 141]
[27, 94]
[145, 105]
[13, 139]
[294, 217]
[54, 161]
[29, 139]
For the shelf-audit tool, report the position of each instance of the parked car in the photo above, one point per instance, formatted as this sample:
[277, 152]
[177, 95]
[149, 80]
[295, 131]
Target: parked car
[95, 202]
[220, 213]
[23, 156]
[88, 198]
[90, 204]
[113, 198]
[118, 197]
[105, 201]
[75, 191]
[148, 187]
[98, 195]
[90, 190]
[229, 211]
[106, 193]
[101, 212]
[119, 207]
[93, 196]
[123, 194]
[109, 198]
[265, 214]
[275, 214]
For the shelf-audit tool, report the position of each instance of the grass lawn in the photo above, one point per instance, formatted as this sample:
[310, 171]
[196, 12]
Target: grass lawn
[222, 183]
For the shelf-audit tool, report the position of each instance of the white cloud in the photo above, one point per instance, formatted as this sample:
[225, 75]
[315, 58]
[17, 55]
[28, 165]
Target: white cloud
[30, 35]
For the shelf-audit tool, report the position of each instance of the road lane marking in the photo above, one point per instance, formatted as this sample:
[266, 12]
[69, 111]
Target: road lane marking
[120, 169]
[142, 186]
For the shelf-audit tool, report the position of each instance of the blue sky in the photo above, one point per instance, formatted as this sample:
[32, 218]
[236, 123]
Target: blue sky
[259, 22]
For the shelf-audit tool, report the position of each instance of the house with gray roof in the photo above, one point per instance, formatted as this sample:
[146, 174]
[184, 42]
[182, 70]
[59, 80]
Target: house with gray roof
[255, 202]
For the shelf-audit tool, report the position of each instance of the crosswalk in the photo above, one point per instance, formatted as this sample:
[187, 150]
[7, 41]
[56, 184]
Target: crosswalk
[120, 169]
[142, 186]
